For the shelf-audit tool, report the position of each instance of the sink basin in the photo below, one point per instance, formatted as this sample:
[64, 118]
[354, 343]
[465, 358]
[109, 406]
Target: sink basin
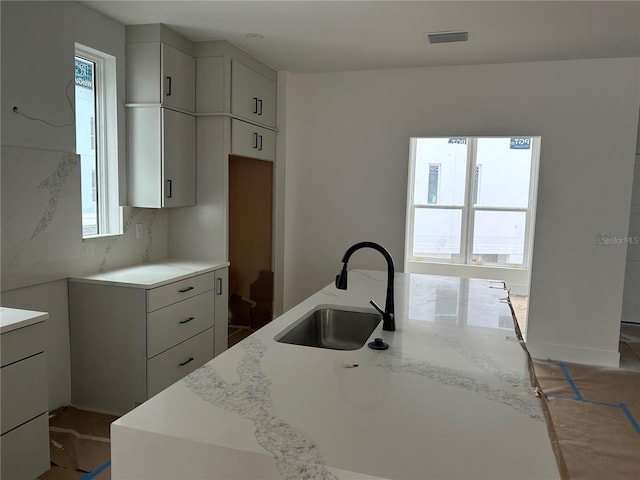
[331, 327]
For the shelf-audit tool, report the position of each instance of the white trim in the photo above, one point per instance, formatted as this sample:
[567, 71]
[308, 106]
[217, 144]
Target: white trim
[573, 354]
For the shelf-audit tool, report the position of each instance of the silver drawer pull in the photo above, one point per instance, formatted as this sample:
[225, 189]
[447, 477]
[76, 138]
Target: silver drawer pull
[185, 289]
[186, 361]
[186, 320]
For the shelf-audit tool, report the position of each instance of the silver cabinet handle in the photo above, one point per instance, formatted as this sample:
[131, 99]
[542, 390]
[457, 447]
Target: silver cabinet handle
[186, 320]
[255, 104]
[183, 290]
[167, 86]
[219, 286]
[255, 140]
[260, 106]
[260, 147]
[169, 188]
[189, 360]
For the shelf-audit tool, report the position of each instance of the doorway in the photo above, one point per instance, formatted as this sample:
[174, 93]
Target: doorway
[250, 245]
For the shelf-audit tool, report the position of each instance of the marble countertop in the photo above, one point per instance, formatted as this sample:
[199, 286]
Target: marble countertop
[14, 318]
[450, 398]
[151, 275]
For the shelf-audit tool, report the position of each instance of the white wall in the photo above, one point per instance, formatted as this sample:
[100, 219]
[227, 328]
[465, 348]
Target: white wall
[347, 150]
[631, 299]
[41, 223]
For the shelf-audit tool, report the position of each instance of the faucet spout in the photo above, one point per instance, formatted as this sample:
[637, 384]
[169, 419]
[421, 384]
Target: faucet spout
[388, 315]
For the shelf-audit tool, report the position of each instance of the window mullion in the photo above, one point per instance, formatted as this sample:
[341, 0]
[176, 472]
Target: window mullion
[468, 212]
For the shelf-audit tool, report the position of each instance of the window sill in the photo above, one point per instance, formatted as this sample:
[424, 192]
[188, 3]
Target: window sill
[102, 235]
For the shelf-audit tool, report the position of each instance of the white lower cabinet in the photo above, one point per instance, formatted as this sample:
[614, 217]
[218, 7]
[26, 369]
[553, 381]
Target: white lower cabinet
[129, 343]
[24, 406]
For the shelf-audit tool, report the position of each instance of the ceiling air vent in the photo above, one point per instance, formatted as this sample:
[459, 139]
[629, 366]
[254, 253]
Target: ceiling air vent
[448, 37]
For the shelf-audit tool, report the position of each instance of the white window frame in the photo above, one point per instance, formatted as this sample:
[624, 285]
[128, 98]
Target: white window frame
[469, 210]
[109, 210]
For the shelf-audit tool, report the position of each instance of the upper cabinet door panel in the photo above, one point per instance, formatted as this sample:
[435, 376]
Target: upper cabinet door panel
[159, 73]
[143, 72]
[253, 96]
[179, 154]
[178, 79]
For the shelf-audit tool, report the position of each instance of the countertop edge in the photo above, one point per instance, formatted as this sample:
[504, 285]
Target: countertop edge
[24, 318]
[191, 267]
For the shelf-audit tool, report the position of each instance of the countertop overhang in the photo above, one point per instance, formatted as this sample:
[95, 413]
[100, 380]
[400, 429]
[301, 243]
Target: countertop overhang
[450, 398]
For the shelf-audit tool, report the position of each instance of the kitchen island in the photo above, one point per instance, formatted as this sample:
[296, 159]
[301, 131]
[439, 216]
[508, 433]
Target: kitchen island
[450, 398]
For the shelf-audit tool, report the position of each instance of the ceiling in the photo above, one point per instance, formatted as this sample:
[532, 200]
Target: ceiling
[323, 36]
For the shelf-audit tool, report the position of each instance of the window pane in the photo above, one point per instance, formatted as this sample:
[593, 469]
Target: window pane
[85, 94]
[498, 237]
[434, 173]
[436, 233]
[505, 174]
[449, 155]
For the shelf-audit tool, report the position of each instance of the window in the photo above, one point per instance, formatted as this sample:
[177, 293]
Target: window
[97, 142]
[470, 200]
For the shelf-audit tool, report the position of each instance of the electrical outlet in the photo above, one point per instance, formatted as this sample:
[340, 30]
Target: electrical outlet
[138, 231]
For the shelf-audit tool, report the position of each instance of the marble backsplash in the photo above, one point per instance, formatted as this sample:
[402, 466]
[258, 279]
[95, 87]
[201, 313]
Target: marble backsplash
[41, 235]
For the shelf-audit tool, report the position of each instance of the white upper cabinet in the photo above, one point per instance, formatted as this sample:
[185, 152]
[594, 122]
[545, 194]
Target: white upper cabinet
[253, 96]
[251, 141]
[162, 158]
[160, 73]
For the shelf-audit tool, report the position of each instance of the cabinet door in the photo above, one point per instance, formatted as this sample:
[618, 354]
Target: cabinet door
[253, 96]
[252, 141]
[178, 79]
[144, 151]
[221, 325]
[179, 159]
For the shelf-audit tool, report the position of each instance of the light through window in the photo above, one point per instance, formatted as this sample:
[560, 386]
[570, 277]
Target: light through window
[470, 200]
[96, 141]
[86, 142]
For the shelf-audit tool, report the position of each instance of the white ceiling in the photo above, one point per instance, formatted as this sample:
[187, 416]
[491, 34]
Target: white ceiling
[320, 36]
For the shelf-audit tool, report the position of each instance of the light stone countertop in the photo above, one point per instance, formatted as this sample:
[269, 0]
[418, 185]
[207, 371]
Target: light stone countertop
[150, 275]
[450, 399]
[14, 318]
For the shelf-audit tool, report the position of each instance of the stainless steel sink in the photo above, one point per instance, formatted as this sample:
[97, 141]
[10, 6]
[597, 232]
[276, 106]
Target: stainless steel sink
[331, 327]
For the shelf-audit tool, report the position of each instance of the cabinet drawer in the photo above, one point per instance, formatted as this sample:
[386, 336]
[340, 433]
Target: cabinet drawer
[176, 323]
[24, 391]
[169, 367]
[22, 342]
[25, 450]
[174, 292]
[252, 141]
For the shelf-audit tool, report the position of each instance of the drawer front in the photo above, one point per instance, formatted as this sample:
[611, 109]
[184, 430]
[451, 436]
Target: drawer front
[174, 292]
[176, 323]
[167, 368]
[24, 391]
[252, 141]
[25, 450]
[21, 343]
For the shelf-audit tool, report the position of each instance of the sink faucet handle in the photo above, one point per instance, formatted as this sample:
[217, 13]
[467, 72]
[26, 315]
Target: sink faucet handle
[377, 307]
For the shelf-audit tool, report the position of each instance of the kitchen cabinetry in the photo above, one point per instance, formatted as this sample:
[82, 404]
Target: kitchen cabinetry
[253, 96]
[24, 407]
[161, 140]
[160, 73]
[137, 330]
[162, 157]
[252, 141]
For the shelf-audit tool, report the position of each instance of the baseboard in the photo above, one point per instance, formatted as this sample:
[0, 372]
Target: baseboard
[571, 354]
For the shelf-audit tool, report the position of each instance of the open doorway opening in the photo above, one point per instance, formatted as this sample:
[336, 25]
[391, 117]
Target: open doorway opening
[250, 245]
